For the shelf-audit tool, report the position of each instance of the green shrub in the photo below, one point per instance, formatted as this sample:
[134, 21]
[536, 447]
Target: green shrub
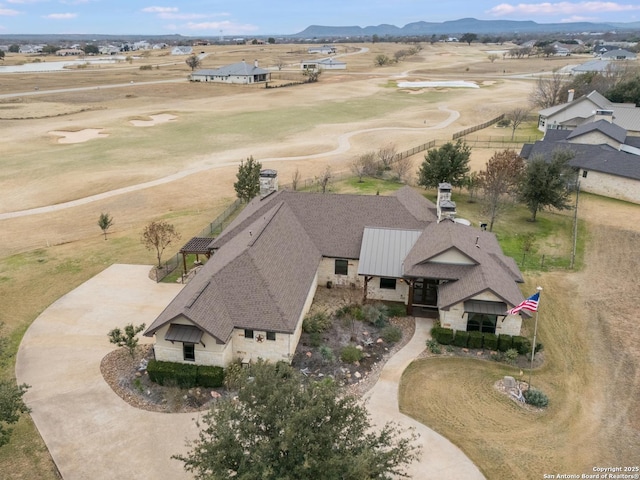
[522, 345]
[376, 314]
[391, 334]
[511, 355]
[352, 310]
[475, 340]
[461, 339]
[434, 347]
[539, 347]
[315, 339]
[209, 376]
[327, 354]
[397, 310]
[505, 342]
[443, 336]
[490, 341]
[234, 375]
[317, 323]
[181, 374]
[536, 398]
[146, 67]
[496, 356]
[350, 354]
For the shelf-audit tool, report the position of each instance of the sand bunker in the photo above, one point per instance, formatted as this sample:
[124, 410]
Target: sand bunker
[453, 83]
[79, 136]
[155, 120]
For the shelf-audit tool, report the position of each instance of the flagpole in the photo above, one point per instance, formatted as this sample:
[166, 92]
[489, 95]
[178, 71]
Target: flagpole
[535, 332]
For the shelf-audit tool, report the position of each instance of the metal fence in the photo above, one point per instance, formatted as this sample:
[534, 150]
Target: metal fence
[503, 142]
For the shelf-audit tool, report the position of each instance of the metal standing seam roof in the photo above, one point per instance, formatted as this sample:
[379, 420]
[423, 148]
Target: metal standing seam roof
[184, 333]
[383, 251]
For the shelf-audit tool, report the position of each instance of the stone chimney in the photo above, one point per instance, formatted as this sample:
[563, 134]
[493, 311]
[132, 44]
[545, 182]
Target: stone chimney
[570, 93]
[268, 182]
[255, 63]
[446, 207]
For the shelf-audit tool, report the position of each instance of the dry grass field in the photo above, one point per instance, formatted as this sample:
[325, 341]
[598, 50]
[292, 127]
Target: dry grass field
[591, 373]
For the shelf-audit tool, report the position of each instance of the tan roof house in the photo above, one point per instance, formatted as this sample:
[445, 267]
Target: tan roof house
[249, 300]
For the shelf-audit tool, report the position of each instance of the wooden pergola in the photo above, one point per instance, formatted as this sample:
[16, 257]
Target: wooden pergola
[196, 246]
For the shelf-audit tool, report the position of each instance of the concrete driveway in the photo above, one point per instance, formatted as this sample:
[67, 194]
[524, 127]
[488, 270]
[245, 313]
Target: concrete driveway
[90, 431]
[94, 434]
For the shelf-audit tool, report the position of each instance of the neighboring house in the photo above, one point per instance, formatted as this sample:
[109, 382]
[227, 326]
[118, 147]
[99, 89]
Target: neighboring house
[249, 300]
[240, 73]
[619, 54]
[587, 109]
[66, 52]
[324, 64]
[323, 50]
[605, 67]
[181, 50]
[607, 160]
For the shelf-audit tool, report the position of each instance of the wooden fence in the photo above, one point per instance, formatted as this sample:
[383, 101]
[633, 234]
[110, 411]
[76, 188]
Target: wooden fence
[477, 127]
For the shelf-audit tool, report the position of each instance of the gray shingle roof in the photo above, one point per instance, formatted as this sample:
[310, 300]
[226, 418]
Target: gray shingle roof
[242, 69]
[615, 132]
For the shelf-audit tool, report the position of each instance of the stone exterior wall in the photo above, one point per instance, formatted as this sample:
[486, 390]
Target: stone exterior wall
[326, 273]
[400, 294]
[610, 186]
[456, 318]
[596, 138]
[212, 354]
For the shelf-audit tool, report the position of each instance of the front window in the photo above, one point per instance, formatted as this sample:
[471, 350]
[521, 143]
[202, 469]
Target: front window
[342, 267]
[271, 336]
[481, 322]
[248, 334]
[388, 283]
[585, 173]
[189, 352]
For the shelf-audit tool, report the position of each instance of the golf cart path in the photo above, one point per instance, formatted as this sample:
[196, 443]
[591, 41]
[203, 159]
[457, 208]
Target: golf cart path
[92, 433]
[344, 145]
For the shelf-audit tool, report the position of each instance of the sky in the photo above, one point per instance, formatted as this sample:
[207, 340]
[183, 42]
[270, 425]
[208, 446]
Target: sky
[272, 17]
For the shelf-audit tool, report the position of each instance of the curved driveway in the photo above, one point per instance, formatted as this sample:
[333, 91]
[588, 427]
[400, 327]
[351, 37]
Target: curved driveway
[93, 434]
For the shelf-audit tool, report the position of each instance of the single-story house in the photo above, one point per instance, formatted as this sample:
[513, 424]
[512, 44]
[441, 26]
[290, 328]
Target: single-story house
[182, 50]
[240, 73]
[607, 160]
[324, 64]
[323, 50]
[620, 54]
[249, 300]
[587, 109]
[65, 52]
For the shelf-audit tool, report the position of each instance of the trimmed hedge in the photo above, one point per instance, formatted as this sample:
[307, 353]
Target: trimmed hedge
[522, 345]
[443, 336]
[475, 340]
[505, 342]
[209, 376]
[490, 341]
[461, 339]
[185, 375]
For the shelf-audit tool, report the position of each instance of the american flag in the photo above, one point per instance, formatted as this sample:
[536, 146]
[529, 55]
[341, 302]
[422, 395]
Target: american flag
[530, 304]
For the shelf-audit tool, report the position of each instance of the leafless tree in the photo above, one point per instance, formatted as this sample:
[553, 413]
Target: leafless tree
[402, 167]
[324, 179]
[193, 62]
[386, 155]
[492, 57]
[158, 236]
[516, 117]
[358, 167]
[280, 63]
[548, 91]
[499, 181]
[295, 179]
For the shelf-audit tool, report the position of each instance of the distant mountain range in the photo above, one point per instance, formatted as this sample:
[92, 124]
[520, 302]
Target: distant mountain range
[464, 25]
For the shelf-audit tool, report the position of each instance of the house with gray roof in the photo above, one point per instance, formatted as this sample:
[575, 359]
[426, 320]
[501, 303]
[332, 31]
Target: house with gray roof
[238, 73]
[606, 158]
[249, 300]
[588, 109]
[323, 64]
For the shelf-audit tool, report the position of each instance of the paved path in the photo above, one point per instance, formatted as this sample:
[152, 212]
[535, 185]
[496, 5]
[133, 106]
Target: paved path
[440, 459]
[93, 434]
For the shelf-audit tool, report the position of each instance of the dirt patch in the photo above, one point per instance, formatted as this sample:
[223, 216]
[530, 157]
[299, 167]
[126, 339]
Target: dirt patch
[79, 136]
[153, 120]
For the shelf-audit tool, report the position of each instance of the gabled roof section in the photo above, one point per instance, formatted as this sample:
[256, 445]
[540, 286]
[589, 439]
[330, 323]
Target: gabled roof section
[615, 132]
[335, 223]
[258, 281]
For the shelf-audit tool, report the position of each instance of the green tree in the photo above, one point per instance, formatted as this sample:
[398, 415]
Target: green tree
[105, 222]
[90, 49]
[158, 236]
[193, 62]
[271, 40]
[11, 403]
[128, 338]
[50, 49]
[248, 184]
[468, 38]
[1, 54]
[544, 183]
[449, 163]
[281, 427]
[626, 92]
[14, 48]
[500, 181]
